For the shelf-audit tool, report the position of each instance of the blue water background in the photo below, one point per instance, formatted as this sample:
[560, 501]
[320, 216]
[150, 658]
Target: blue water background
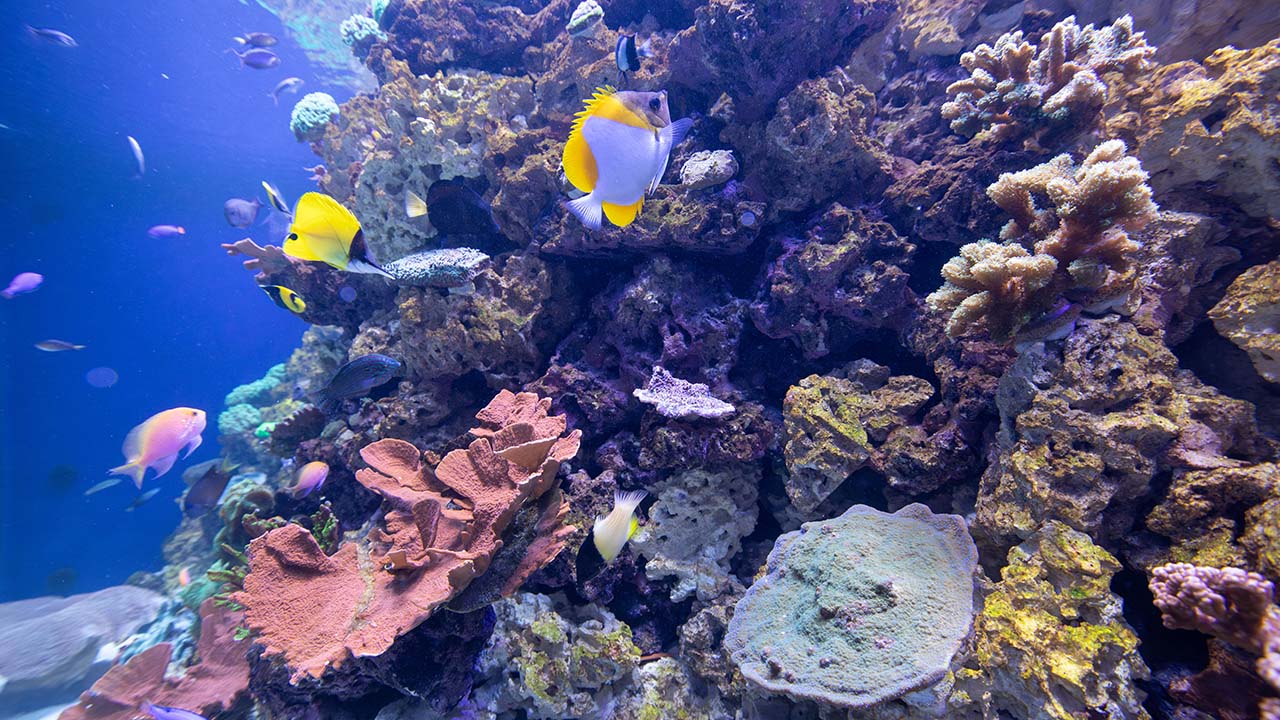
[179, 320]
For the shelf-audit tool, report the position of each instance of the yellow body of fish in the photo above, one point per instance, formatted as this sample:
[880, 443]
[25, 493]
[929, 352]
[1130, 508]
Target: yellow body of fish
[325, 231]
[156, 442]
[285, 298]
[613, 531]
[617, 152]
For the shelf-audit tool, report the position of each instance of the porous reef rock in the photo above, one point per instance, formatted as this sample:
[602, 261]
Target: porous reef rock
[443, 528]
[1211, 129]
[859, 609]
[1249, 316]
[1085, 428]
[695, 529]
[1206, 513]
[1050, 642]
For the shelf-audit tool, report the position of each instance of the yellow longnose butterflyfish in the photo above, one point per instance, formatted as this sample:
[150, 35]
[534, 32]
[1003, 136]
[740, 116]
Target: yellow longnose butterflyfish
[617, 152]
[325, 231]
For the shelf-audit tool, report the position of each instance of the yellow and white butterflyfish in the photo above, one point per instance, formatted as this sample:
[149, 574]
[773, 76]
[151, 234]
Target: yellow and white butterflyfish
[617, 153]
[325, 231]
[613, 531]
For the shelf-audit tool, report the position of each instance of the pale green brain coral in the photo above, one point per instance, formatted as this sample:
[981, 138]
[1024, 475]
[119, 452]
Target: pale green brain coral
[859, 609]
[312, 114]
[257, 392]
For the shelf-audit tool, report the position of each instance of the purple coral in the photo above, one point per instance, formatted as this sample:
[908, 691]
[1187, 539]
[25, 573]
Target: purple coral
[676, 398]
[1228, 603]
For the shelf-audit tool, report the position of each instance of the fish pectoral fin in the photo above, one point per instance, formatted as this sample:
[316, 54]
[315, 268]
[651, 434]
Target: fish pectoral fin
[191, 446]
[622, 215]
[587, 209]
[164, 464]
[668, 138]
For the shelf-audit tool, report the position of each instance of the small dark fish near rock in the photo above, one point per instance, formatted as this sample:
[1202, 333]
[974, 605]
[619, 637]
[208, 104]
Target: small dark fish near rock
[204, 493]
[241, 213]
[53, 37]
[455, 209]
[142, 499]
[627, 54]
[258, 59]
[357, 378]
[256, 39]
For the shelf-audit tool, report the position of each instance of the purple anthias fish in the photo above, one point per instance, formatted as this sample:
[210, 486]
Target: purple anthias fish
[258, 59]
[166, 231]
[310, 478]
[22, 284]
[54, 37]
[241, 213]
[160, 712]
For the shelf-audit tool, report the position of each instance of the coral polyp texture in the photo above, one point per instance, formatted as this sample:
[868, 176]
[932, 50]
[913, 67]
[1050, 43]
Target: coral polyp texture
[859, 609]
[1016, 88]
[1083, 253]
[312, 114]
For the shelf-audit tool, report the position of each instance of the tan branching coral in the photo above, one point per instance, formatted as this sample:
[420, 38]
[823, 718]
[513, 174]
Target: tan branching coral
[1076, 220]
[1016, 88]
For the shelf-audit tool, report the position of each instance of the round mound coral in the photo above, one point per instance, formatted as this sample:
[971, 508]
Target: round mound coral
[859, 609]
[310, 116]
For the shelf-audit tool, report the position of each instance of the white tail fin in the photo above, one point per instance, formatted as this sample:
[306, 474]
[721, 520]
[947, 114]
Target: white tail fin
[628, 501]
[587, 209]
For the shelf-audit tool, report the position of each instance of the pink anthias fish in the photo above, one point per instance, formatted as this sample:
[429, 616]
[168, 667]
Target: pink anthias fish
[21, 284]
[166, 231]
[310, 478]
[158, 440]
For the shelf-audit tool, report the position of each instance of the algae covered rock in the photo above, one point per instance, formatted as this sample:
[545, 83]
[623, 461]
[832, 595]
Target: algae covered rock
[1050, 642]
[1249, 316]
[860, 609]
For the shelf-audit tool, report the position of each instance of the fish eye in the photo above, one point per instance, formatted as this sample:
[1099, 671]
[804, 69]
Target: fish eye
[654, 103]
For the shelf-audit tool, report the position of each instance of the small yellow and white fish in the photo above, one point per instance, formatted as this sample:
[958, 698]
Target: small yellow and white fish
[617, 153]
[285, 298]
[325, 231]
[613, 531]
[414, 206]
[57, 346]
[275, 198]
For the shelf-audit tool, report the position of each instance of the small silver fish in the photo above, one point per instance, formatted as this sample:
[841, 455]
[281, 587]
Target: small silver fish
[289, 85]
[57, 346]
[137, 156]
[160, 712]
[142, 499]
[108, 483]
[53, 37]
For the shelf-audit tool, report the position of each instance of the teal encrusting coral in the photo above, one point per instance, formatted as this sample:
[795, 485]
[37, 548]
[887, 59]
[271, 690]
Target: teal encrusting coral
[312, 114]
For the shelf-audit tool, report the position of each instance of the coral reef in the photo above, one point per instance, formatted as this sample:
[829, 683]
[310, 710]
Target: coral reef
[312, 115]
[1016, 88]
[1050, 641]
[860, 609]
[676, 398]
[1083, 253]
[1249, 316]
[444, 528]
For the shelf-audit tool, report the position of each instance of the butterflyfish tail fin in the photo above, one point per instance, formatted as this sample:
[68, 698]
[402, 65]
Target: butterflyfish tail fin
[587, 209]
[622, 215]
[132, 470]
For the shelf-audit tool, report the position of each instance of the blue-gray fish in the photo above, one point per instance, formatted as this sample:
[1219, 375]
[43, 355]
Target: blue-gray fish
[54, 37]
[257, 58]
[357, 378]
[289, 84]
[142, 499]
[256, 39]
[160, 712]
[241, 213]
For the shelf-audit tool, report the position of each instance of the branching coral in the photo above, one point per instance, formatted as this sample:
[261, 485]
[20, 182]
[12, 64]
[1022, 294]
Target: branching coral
[1016, 88]
[1083, 252]
[441, 529]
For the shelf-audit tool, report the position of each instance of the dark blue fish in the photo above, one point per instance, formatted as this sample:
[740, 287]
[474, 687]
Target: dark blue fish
[357, 378]
[455, 209]
[205, 492]
[54, 37]
[256, 39]
[160, 712]
[258, 59]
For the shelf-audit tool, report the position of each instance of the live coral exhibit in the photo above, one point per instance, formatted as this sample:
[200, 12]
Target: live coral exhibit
[946, 351]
